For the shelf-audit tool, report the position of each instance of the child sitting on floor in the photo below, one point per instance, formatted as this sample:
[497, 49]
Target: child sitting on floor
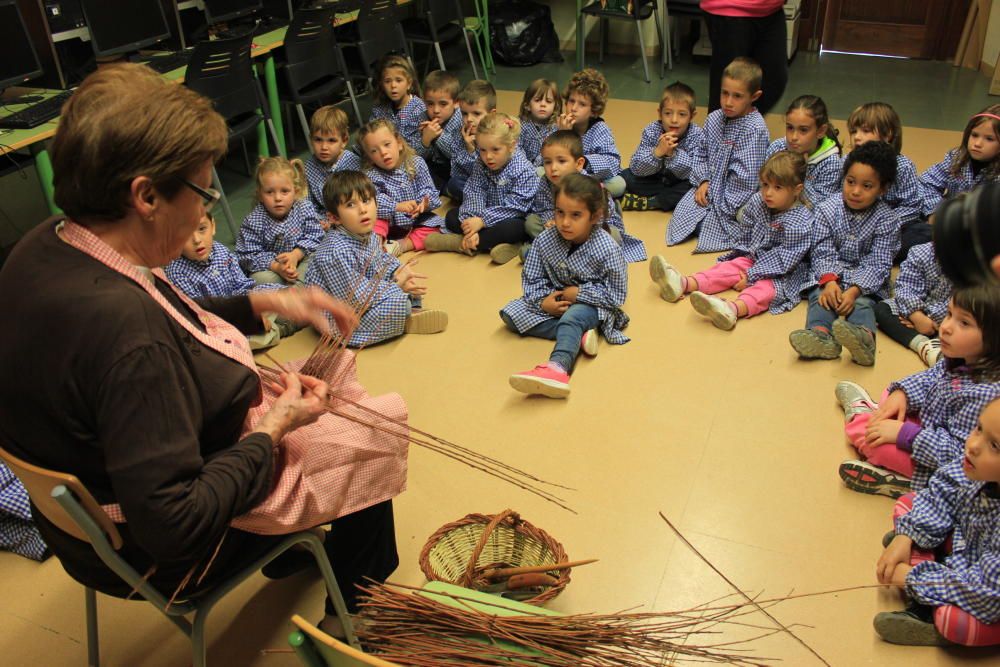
[575, 280]
[397, 98]
[283, 229]
[855, 237]
[736, 140]
[441, 128]
[921, 421]
[351, 265]
[808, 131]
[477, 100]
[586, 98]
[767, 263]
[540, 107]
[406, 193]
[660, 170]
[957, 600]
[330, 129]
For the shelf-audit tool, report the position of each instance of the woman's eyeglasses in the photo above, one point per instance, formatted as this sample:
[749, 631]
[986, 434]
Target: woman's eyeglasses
[209, 196]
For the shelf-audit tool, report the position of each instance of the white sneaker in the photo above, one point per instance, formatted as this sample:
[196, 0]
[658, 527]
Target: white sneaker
[930, 351]
[667, 278]
[716, 309]
[588, 344]
[393, 248]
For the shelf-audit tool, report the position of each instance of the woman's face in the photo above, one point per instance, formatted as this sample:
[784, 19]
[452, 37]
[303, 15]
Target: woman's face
[176, 219]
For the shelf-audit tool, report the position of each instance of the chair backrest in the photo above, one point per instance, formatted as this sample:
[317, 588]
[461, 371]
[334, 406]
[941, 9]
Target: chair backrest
[317, 649]
[311, 52]
[222, 71]
[379, 30]
[442, 12]
[40, 483]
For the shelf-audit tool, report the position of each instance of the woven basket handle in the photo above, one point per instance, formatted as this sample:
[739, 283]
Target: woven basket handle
[470, 569]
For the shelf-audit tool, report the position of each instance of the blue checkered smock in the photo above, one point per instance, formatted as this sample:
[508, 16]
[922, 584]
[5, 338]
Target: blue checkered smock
[317, 173]
[18, 532]
[969, 577]
[823, 171]
[689, 151]
[533, 135]
[921, 285]
[597, 267]
[501, 195]
[345, 265]
[442, 148]
[600, 150]
[857, 247]
[904, 195]
[262, 238]
[938, 183]
[392, 187]
[948, 400]
[778, 245]
[407, 120]
[734, 151]
[219, 275]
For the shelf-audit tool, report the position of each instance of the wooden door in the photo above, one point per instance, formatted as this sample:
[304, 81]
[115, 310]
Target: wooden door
[909, 28]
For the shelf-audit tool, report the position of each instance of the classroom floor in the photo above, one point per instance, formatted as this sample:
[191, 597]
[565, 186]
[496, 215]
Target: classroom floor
[726, 433]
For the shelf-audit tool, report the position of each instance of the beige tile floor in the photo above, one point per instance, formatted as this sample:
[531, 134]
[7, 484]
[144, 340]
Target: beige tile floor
[727, 433]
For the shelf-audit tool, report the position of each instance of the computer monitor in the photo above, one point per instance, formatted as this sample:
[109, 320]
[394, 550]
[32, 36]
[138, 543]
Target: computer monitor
[18, 58]
[217, 11]
[120, 26]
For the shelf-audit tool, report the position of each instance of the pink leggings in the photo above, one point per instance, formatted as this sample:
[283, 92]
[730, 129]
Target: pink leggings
[415, 234]
[952, 622]
[887, 456]
[724, 275]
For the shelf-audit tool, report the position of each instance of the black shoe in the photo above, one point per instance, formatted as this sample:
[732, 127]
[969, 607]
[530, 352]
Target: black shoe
[291, 562]
[913, 626]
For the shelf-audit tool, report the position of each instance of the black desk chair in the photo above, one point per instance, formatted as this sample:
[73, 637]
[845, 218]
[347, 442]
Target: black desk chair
[222, 71]
[376, 32]
[442, 21]
[689, 8]
[640, 11]
[314, 67]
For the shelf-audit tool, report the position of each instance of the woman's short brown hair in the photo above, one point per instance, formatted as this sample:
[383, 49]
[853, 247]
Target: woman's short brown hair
[124, 121]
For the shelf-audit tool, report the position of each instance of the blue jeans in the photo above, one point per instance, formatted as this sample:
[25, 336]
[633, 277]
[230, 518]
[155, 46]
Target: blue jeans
[455, 186]
[863, 314]
[566, 331]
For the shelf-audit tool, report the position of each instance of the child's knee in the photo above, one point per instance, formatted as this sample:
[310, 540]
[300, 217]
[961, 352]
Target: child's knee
[508, 322]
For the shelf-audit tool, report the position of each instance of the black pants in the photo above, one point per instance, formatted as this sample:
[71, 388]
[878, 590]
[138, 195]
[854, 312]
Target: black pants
[763, 39]
[663, 190]
[912, 233]
[892, 327]
[505, 231]
[440, 173]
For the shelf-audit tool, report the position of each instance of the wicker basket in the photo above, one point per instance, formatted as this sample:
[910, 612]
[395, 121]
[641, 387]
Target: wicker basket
[458, 552]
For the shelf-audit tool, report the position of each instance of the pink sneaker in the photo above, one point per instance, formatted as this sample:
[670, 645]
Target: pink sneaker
[588, 344]
[541, 380]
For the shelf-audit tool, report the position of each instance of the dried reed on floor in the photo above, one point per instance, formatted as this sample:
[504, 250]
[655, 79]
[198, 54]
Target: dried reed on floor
[324, 363]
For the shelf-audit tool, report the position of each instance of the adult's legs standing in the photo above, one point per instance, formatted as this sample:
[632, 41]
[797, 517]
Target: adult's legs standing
[731, 37]
[770, 49]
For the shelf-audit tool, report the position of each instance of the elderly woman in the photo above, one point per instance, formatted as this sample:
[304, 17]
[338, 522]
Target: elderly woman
[113, 376]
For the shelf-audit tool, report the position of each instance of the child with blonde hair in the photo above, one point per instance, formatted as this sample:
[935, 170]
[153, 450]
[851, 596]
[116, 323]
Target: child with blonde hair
[330, 131]
[498, 195]
[283, 229]
[575, 282]
[767, 263]
[540, 107]
[976, 160]
[808, 131]
[659, 172]
[736, 139]
[586, 98]
[397, 97]
[406, 196]
[351, 265]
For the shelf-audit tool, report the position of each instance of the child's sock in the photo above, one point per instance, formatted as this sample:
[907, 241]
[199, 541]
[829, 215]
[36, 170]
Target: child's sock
[917, 341]
[732, 306]
[557, 367]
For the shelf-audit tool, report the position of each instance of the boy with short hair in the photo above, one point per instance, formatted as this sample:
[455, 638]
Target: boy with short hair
[441, 126]
[207, 269]
[477, 99]
[351, 264]
[330, 131]
[736, 140]
[586, 98]
[657, 176]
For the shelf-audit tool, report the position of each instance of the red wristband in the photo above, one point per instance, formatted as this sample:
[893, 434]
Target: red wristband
[828, 278]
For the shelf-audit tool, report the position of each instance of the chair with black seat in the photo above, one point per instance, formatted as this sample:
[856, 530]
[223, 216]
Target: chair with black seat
[67, 504]
[222, 71]
[314, 66]
[442, 22]
[675, 8]
[376, 32]
[636, 11]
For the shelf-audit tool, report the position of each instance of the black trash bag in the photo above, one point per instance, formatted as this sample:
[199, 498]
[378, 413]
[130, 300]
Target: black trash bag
[522, 34]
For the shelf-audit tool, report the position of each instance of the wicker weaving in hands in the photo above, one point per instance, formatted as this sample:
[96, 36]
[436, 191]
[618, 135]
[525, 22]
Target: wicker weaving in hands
[459, 552]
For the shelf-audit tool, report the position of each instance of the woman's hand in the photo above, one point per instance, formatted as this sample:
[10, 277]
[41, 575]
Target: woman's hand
[307, 306]
[896, 554]
[894, 406]
[301, 400]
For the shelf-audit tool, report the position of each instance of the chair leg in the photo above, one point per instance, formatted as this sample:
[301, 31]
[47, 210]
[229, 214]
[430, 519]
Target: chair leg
[642, 50]
[230, 221]
[354, 101]
[580, 40]
[482, 57]
[274, 136]
[93, 644]
[472, 58]
[668, 45]
[437, 49]
[198, 649]
[333, 590]
[246, 157]
[600, 40]
[659, 35]
[304, 122]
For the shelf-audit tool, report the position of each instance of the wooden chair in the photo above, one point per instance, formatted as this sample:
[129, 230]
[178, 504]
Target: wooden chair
[68, 505]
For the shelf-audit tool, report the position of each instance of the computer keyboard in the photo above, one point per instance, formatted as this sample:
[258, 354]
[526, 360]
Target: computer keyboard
[169, 61]
[36, 114]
